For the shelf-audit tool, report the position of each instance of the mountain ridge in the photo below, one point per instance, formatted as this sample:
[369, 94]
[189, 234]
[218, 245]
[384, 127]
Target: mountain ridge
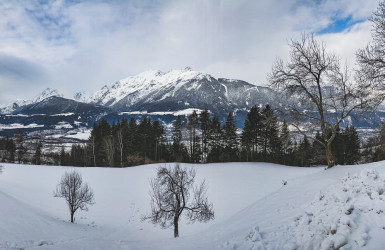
[19, 104]
[160, 95]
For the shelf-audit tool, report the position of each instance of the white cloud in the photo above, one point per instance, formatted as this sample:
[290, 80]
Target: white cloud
[84, 45]
[346, 43]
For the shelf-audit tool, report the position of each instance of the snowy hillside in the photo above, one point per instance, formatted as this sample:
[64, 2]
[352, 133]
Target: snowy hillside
[316, 209]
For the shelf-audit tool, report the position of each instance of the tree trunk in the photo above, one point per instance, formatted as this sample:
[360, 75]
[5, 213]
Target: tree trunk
[72, 217]
[176, 231]
[329, 155]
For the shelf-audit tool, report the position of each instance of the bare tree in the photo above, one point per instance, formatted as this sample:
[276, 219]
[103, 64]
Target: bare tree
[170, 197]
[92, 145]
[192, 127]
[109, 149]
[120, 145]
[76, 194]
[319, 91]
[371, 60]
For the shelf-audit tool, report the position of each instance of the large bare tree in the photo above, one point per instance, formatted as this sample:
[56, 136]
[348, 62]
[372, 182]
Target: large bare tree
[319, 92]
[171, 196]
[371, 59]
[76, 194]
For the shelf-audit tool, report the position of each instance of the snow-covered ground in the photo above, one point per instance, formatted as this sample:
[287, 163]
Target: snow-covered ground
[341, 207]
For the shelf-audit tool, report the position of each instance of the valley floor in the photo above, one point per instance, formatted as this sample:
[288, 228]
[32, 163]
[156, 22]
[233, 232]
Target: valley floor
[316, 209]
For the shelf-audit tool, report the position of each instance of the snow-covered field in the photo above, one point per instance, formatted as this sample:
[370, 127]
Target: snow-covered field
[339, 208]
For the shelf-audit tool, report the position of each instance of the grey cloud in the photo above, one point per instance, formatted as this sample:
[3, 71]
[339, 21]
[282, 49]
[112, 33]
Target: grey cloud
[19, 68]
[100, 42]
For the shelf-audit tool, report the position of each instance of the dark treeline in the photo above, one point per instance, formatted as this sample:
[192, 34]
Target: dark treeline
[125, 143]
[17, 149]
[7, 150]
[202, 138]
[345, 148]
[197, 138]
[374, 149]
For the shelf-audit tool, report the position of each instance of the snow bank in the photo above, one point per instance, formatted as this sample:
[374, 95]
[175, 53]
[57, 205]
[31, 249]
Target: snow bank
[345, 216]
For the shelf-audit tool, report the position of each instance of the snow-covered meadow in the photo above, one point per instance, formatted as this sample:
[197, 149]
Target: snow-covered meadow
[339, 208]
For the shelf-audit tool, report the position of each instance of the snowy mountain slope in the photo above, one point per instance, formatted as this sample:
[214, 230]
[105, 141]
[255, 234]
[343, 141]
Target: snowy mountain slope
[18, 105]
[82, 96]
[52, 113]
[58, 105]
[243, 94]
[253, 210]
[177, 90]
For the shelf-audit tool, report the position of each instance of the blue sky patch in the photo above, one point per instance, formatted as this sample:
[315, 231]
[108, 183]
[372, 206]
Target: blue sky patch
[339, 25]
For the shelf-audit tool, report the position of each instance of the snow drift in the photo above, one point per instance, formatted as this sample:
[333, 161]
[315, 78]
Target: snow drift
[339, 208]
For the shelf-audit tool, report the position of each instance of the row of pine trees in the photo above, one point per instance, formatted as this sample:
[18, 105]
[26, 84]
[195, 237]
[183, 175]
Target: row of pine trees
[202, 138]
[197, 138]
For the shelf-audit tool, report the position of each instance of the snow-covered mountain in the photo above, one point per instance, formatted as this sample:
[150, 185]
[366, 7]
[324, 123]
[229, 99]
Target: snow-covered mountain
[160, 95]
[51, 114]
[82, 97]
[178, 90]
[19, 104]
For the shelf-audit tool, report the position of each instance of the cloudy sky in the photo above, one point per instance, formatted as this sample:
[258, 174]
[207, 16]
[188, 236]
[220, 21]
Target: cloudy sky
[82, 45]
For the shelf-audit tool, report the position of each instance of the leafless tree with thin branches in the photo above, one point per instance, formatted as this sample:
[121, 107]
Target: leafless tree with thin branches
[319, 91]
[171, 196]
[371, 59]
[120, 145]
[109, 149]
[76, 194]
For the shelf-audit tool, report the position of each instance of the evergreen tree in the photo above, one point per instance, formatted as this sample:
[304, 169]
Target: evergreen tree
[117, 134]
[179, 152]
[131, 138]
[251, 134]
[230, 139]
[192, 128]
[100, 139]
[144, 133]
[304, 153]
[21, 150]
[37, 156]
[215, 140]
[125, 140]
[204, 119]
[9, 146]
[338, 147]
[270, 143]
[318, 151]
[77, 156]
[63, 157]
[159, 140]
[286, 143]
[352, 146]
